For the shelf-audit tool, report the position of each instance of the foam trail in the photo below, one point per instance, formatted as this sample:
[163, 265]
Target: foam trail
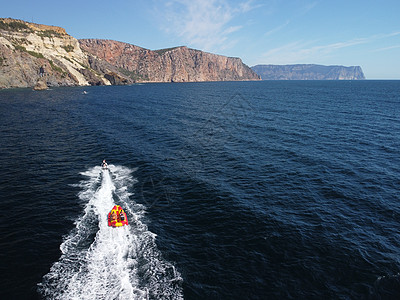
[101, 262]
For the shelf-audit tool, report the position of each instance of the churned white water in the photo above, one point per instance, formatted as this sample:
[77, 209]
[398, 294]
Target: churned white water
[102, 262]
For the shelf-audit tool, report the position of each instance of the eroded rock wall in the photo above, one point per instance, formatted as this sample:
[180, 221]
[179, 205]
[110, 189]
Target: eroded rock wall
[179, 64]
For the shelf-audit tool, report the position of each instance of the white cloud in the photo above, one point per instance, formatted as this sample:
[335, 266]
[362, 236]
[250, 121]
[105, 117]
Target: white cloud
[382, 36]
[276, 29]
[232, 29]
[204, 24]
[248, 6]
[300, 52]
[300, 12]
[308, 7]
[386, 48]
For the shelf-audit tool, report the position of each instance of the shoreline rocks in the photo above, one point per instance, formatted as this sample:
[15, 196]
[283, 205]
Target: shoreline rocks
[41, 85]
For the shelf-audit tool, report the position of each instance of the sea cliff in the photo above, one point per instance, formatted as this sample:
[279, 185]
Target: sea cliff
[179, 64]
[308, 72]
[32, 53]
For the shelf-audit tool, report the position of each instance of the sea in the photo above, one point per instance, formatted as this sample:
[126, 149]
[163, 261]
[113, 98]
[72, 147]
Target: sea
[233, 190]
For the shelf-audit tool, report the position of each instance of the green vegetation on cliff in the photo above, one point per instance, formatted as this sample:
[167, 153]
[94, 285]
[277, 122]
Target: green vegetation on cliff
[33, 53]
[49, 34]
[132, 74]
[162, 51]
[55, 68]
[14, 26]
[68, 48]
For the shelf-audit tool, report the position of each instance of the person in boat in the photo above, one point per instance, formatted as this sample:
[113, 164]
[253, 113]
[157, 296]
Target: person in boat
[121, 215]
[113, 216]
[104, 164]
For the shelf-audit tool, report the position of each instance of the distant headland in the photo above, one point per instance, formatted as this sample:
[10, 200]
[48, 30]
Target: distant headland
[308, 72]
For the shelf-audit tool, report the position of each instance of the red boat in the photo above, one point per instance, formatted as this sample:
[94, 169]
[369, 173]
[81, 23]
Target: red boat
[117, 217]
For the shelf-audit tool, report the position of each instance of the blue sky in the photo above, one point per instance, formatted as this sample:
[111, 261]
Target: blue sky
[351, 32]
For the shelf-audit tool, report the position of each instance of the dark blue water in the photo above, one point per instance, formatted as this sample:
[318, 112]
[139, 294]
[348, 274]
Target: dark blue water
[236, 190]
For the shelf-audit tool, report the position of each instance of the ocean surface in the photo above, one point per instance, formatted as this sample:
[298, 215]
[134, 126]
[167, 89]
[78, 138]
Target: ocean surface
[233, 190]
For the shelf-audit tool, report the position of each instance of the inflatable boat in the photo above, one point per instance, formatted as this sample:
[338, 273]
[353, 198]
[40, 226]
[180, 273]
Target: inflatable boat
[117, 217]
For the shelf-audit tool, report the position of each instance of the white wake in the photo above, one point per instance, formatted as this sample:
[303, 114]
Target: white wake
[102, 262]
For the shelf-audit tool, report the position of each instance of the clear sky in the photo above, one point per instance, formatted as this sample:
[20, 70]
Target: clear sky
[328, 32]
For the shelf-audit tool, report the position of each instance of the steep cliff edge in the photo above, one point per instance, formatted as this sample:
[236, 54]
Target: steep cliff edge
[30, 53]
[308, 72]
[34, 53]
[179, 64]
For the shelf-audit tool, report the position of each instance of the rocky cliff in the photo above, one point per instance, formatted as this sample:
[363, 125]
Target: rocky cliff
[308, 72]
[34, 53]
[179, 64]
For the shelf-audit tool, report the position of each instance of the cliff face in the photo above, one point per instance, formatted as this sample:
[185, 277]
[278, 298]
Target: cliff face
[179, 64]
[308, 72]
[31, 52]
[41, 55]
[34, 53]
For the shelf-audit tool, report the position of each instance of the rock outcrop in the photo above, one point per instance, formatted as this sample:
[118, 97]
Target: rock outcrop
[179, 64]
[40, 85]
[308, 72]
[31, 52]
